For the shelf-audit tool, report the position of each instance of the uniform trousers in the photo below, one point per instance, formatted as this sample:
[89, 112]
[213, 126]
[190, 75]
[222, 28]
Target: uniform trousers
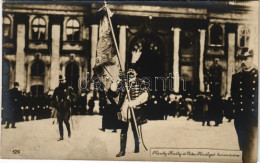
[247, 133]
[63, 117]
[124, 130]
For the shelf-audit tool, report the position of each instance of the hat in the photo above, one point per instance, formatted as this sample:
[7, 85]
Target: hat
[132, 71]
[16, 84]
[61, 78]
[246, 53]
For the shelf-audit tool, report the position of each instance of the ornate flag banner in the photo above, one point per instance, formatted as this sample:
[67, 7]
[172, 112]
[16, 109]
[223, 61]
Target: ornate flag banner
[107, 65]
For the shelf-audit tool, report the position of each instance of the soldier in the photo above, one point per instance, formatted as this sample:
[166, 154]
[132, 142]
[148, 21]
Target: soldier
[81, 103]
[228, 108]
[109, 110]
[244, 92]
[215, 78]
[205, 110]
[62, 98]
[166, 107]
[91, 105]
[138, 97]
[174, 105]
[13, 105]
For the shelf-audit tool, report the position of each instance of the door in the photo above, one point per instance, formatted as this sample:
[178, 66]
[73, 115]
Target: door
[72, 75]
[189, 61]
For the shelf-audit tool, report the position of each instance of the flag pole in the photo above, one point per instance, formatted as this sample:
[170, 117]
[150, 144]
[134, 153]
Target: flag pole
[127, 90]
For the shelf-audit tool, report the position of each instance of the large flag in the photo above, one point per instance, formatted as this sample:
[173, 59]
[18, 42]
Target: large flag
[107, 64]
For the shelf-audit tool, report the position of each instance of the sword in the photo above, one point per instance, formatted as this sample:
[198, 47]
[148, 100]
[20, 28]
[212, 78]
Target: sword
[71, 120]
[133, 114]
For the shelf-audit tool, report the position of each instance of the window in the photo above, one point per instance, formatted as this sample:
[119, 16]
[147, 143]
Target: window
[6, 27]
[243, 37]
[216, 35]
[73, 30]
[38, 28]
[37, 68]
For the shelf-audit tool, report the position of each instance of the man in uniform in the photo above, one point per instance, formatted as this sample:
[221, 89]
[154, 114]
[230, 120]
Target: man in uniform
[62, 98]
[244, 92]
[138, 96]
[13, 105]
[215, 78]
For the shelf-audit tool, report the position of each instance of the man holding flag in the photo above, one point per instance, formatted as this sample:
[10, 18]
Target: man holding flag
[129, 95]
[131, 109]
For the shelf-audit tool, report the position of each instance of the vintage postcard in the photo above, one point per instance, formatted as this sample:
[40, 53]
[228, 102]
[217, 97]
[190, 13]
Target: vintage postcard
[130, 80]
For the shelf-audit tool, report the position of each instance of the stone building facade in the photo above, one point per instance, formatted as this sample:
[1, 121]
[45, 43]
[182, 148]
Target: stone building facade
[44, 40]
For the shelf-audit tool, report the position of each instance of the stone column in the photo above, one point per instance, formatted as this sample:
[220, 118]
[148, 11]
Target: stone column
[20, 75]
[122, 45]
[94, 40]
[231, 60]
[202, 48]
[176, 44]
[28, 77]
[55, 57]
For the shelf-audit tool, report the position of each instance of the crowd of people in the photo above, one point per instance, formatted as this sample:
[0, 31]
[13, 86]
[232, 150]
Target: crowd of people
[199, 108]
[30, 107]
[159, 107]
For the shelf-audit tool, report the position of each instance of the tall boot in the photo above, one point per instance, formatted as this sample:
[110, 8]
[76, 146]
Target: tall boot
[7, 124]
[123, 138]
[13, 125]
[136, 144]
[61, 131]
[68, 129]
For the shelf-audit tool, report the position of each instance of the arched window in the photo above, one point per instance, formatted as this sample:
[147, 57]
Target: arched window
[243, 37]
[6, 27]
[216, 35]
[37, 68]
[38, 28]
[73, 30]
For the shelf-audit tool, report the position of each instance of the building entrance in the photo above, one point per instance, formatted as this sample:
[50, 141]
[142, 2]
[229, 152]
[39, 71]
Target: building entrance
[151, 62]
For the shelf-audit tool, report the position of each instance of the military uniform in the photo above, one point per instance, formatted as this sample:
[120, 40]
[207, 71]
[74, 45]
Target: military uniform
[244, 92]
[138, 97]
[62, 98]
[228, 109]
[13, 105]
[81, 104]
[215, 78]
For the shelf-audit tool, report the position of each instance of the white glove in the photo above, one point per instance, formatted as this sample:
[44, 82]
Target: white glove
[136, 55]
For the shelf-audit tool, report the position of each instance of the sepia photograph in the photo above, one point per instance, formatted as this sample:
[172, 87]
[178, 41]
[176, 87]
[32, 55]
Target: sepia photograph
[130, 80]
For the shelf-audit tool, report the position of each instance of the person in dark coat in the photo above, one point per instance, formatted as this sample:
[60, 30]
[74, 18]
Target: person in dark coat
[215, 80]
[166, 107]
[62, 97]
[182, 109]
[244, 92]
[91, 105]
[228, 109]
[13, 105]
[109, 112]
[174, 106]
[81, 103]
[4, 106]
[206, 100]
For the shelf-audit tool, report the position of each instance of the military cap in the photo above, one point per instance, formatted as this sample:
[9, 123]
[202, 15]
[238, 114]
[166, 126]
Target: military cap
[132, 71]
[246, 53]
[61, 78]
[16, 84]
